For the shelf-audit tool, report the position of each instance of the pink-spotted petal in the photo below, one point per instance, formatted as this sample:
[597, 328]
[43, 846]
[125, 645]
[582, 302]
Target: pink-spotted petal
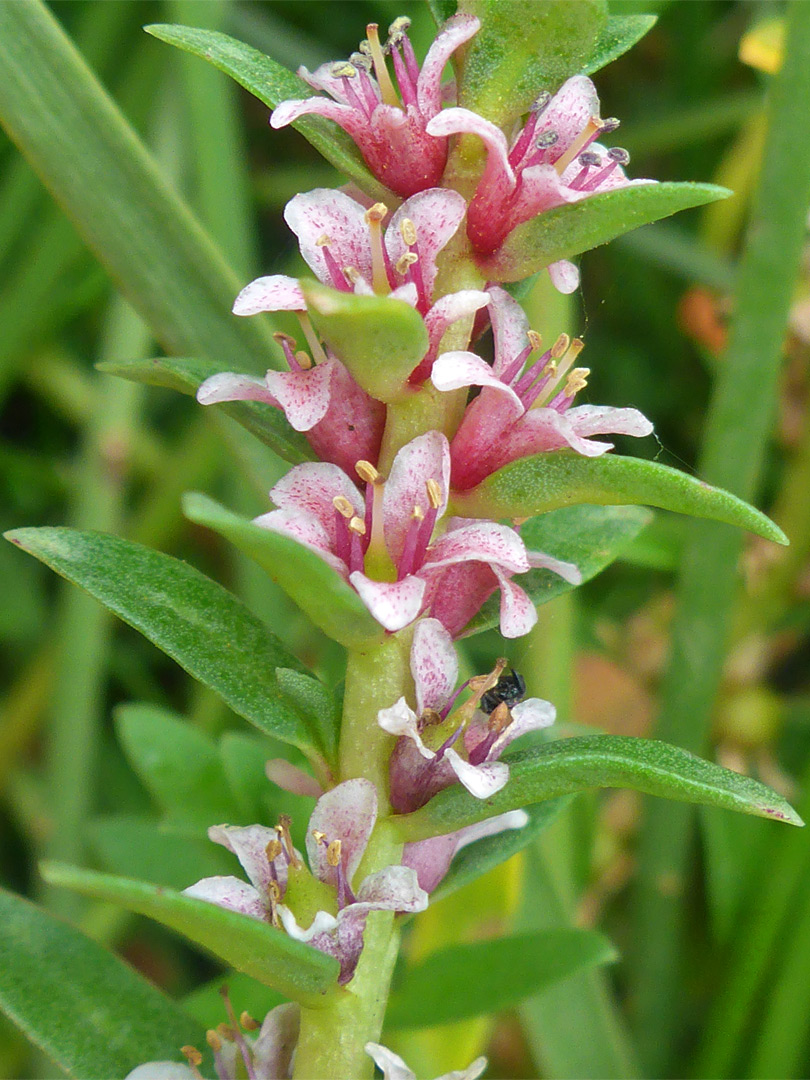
[564, 276]
[227, 386]
[352, 121]
[533, 714]
[434, 665]
[230, 893]
[390, 1064]
[311, 488]
[457, 30]
[161, 1070]
[518, 614]
[275, 1044]
[453, 370]
[569, 111]
[546, 429]
[276, 292]
[480, 541]
[290, 778]
[509, 328]
[605, 420]
[304, 530]
[402, 722]
[449, 309]
[512, 819]
[395, 888]
[541, 188]
[303, 395]
[424, 458]
[249, 844]
[331, 214]
[482, 781]
[394, 604]
[569, 571]
[346, 813]
[457, 121]
[431, 859]
[436, 215]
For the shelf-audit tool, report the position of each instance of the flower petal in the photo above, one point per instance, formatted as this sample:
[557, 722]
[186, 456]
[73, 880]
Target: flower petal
[303, 395]
[510, 327]
[481, 781]
[231, 893]
[290, 778]
[400, 720]
[533, 714]
[352, 121]
[228, 386]
[458, 29]
[346, 813]
[480, 541]
[390, 1064]
[304, 530]
[605, 420]
[161, 1070]
[431, 858]
[457, 121]
[326, 213]
[453, 370]
[436, 215]
[449, 309]
[458, 593]
[434, 665]
[569, 111]
[567, 570]
[275, 1044]
[311, 488]
[277, 292]
[393, 604]
[424, 458]
[249, 844]
[518, 613]
[564, 276]
[395, 888]
[322, 923]
[512, 819]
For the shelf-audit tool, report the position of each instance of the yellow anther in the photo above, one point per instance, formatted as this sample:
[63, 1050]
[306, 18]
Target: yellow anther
[576, 381]
[343, 71]
[535, 340]
[213, 1040]
[418, 514]
[358, 526]
[285, 339]
[248, 1023]
[343, 506]
[366, 471]
[353, 274]
[318, 836]
[283, 830]
[407, 231]
[333, 852]
[576, 347]
[376, 212]
[399, 26]
[560, 346]
[500, 717]
[304, 359]
[406, 260]
[192, 1055]
[479, 684]
[591, 128]
[323, 241]
[434, 493]
[273, 850]
[226, 1032]
[550, 370]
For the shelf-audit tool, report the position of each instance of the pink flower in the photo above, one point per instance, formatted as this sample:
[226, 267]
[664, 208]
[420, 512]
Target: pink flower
[519, 413]
[553, 160]
[383, 542]
[468, 741]
[388, 127]
[339, 830]
[394, 1068]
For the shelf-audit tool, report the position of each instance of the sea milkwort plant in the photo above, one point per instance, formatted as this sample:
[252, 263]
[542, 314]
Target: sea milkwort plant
[438, 469]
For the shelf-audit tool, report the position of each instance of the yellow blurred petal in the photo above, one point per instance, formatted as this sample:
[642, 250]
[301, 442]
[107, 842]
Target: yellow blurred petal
[763, 47]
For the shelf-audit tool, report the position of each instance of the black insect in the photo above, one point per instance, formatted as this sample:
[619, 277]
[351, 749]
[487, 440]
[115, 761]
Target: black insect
[509, 689]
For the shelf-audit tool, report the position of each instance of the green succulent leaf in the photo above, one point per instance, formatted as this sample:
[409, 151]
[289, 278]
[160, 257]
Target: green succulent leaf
[533, 485]
[591, 537]
[249, 945]
[194, 620]
[187, 374]
[620, 33]
[380, 340]
[522, 49]
[320, 591]
[482, 855]
[316, 702]
[569, 230]
[446, 987]
[139, 847]
[441, 10]
[565, 766]
[177, 763]
[81, 1005]
[272, 83]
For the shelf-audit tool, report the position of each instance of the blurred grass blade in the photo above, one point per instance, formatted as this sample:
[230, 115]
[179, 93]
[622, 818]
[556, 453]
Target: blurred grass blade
[569, 765]
[186, 374]
[272, 84]
[247, 944]
[84, 1007]
[446, 987]
[736, 439]
[86, 153]
[190, 617]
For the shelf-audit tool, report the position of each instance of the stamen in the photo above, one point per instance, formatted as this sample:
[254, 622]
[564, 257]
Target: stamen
[333, 853]
[194, 1059]
[248, 1023]
[400, 26]
[576, 381]
[379, 277]
[610, 125]
[213, 1040]
[618, 156]
[273, 850]
[357, 526]
[527, 134]
[318, 836]
[405, 81]
[360, 61]
[434, 493]
[288, 344]
[318, 355]
[357, 529]
[344, 512]
[389, 94]
[479, 684]
[516, 367]
[238, 1037]
[366, 471]
[336, 274]
[591, 131]
[573, 351]
[588, 160]
[343, 70]
[405, 262]
[407, 231]
[304, 360]
[406, 559]
[535, 339]
[225, 1031]
[343, 506]
[560, 346]
[283, 830]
